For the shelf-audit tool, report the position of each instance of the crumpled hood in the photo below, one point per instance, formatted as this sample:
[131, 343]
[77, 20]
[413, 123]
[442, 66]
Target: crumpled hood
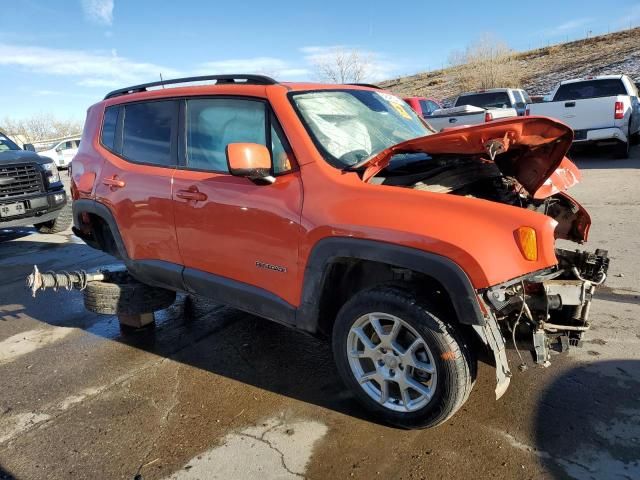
[530, 149]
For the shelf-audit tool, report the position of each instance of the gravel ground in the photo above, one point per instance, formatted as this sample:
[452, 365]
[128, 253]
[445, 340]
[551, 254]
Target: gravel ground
[215, 393]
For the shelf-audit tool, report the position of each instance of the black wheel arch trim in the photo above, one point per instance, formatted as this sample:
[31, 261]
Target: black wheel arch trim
[445, 271]
[84, 205]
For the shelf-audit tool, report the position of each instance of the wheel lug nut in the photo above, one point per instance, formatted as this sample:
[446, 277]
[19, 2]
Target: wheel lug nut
[392, 372]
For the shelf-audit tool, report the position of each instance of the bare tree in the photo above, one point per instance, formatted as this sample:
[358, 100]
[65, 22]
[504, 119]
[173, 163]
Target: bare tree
[341, 65]
[39, 127]
[487, 63]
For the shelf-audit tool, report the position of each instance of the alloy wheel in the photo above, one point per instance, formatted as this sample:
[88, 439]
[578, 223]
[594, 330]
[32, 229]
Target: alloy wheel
[391, 362]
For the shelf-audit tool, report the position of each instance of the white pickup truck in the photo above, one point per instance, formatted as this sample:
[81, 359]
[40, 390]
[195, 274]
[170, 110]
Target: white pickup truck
[601, 110]
[472, 108]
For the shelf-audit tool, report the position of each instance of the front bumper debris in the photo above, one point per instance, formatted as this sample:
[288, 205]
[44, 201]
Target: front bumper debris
[551, 308]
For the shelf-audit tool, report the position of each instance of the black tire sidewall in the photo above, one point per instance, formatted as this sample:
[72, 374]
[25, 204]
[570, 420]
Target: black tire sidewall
[127, 297]
[437, 335]
[58, 224]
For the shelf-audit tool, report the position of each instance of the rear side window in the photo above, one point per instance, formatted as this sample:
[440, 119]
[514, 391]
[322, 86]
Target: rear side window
[590, 89]
[146, 132]
[485, 100]
[518, 96]
[109, 127]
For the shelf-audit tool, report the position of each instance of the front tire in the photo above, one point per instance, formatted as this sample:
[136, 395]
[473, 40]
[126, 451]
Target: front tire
[58, 224]
[400, 359]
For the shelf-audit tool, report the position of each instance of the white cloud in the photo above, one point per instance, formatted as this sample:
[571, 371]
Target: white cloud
[94, 69]
[98, 11]
[275, 67]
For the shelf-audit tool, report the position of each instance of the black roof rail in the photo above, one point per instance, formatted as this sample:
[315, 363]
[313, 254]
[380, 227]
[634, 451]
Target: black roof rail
[370, 85]
[220, 79]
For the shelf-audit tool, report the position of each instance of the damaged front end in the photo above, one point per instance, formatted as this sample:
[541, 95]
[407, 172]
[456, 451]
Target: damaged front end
[550, 307]
[519, 162]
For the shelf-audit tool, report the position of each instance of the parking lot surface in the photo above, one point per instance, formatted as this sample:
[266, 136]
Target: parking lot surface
[211, 392]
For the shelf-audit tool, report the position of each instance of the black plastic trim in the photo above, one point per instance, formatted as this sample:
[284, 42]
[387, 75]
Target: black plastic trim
[221, 79]
[242, 296]
[157, 273]
[91, 206]
[445, 271]
[263, 303]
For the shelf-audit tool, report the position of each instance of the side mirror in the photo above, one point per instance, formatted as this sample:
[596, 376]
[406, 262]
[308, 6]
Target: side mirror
[29, 147]
[250, 160]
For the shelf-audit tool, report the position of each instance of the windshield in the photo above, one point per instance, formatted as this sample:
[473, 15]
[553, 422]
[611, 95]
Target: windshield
[6, 144]
[349, 126]
[485, 100]
[590, 89]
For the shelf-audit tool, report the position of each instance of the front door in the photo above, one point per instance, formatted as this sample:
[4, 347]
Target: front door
[230, 230]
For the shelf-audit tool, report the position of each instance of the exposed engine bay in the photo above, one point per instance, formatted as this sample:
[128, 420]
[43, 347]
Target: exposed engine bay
[546, 309]
[478, 177]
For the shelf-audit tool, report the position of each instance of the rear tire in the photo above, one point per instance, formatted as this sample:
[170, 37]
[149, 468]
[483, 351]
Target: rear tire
[633, 138]
[58, 224]
[124, 295]
[441, 349]
[622, 150]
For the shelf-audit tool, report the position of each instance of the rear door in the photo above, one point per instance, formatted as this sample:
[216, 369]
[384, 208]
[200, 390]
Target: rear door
[232, 232]
[135, 182]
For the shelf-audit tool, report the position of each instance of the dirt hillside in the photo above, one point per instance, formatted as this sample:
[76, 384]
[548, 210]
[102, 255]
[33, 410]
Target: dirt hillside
[542, 68]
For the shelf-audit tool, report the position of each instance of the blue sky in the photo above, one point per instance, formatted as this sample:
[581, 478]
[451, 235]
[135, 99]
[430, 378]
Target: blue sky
[61, 56]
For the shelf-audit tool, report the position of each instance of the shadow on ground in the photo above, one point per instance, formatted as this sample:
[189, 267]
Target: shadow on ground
[4, 475]
[6, 235]
[588, 422]
[601, 158]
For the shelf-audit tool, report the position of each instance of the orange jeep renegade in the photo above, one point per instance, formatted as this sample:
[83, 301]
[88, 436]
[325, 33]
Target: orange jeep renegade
[334, 209]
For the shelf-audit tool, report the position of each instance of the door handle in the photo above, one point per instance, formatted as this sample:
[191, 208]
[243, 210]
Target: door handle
[570, 104]
[194, 195]
[453, 120]
[114, 182]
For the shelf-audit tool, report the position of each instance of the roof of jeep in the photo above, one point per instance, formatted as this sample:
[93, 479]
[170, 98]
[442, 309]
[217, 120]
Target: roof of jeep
[248, 84]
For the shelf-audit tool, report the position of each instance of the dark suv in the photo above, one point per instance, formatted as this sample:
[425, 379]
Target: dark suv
[31, 192]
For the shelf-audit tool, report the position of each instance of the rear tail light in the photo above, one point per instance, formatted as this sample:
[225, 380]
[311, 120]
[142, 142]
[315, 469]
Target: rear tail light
[527, 112]
[488, 116]
[618, 113]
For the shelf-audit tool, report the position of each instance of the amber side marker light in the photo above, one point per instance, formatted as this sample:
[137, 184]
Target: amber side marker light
[528, 243]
